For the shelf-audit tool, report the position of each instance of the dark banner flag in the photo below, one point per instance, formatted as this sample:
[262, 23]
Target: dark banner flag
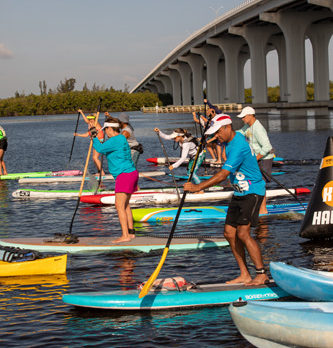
[318, 220]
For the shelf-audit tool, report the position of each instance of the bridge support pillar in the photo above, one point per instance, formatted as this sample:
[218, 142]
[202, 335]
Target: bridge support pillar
[320, 35]
[165, 82]
[185, 75]
[294, 26]
[175, 82]
[196, 63]
[279, 44]
[230, 46]
[212, 56]
[257, 38]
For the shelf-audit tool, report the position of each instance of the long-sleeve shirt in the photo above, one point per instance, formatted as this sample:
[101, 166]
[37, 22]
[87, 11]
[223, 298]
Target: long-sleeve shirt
[189, 149]
[258, 139]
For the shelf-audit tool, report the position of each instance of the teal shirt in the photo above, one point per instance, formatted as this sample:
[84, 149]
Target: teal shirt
[258, 139]
[118, 154]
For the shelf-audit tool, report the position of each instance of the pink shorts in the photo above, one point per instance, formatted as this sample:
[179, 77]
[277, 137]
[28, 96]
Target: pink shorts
[127, 182]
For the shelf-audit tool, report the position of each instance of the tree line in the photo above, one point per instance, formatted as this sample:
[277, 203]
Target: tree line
[273, 93]
[65, 100]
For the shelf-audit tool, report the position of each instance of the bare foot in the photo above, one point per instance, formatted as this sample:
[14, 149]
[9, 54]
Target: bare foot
[263, 212]
[240, 279]
[123, 239]
[260, 279]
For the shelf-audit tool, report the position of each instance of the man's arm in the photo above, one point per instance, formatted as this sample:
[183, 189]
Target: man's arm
[214, 180]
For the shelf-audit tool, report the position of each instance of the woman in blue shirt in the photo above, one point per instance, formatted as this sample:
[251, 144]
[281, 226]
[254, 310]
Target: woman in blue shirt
[121, 166]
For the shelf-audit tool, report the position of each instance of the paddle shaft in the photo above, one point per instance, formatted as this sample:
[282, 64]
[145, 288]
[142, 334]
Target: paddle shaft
[85, 170]
[154, 275]
[167, 158]
[285, 188]
[77, 124]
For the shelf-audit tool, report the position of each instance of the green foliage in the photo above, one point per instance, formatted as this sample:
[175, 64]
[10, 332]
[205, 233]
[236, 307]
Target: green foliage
[67, 103]
[67, 86]
[273, 93]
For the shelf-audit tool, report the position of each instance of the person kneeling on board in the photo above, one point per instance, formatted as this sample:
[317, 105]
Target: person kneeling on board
[189, 145]
[249, 190]
[121, 166]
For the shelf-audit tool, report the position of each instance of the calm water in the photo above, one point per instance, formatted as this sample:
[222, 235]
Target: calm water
[32, 313]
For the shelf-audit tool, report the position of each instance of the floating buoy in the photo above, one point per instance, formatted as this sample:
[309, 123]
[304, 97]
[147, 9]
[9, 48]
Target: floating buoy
[318, 219]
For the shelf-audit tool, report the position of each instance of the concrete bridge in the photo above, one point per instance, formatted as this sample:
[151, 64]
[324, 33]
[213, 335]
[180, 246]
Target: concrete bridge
[215, 55]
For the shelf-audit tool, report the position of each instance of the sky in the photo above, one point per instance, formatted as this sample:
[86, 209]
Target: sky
[102, 42]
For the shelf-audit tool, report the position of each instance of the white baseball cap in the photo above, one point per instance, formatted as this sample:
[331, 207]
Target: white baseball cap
[217, 122]
[174, 135]
[246, 111]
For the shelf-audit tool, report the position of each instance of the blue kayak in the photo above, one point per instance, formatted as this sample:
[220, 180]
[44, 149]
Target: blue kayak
[284, 324]
[200, 296]
[304, 283]
[205, 177]
[205, 212]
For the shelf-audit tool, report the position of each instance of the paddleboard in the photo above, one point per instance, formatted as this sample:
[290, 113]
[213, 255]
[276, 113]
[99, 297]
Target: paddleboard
[47, 265]
[67, 194]
[163, 160]
[172, 198]
[96, 199]
[204, 295]
[102, 244]
[158, 215]
[307, 284]
[284, 324]
[15, 176]
[49, 179]
[206, 177]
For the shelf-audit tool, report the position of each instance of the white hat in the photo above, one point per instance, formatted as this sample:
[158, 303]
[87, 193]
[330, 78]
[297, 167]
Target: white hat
[246, 111]
[174, 135]
[217, 122]
[109, 124]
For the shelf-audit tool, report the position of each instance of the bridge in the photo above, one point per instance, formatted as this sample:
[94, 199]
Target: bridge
[215, 55]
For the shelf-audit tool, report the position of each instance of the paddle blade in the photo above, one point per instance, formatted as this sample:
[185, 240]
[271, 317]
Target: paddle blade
[154, 275]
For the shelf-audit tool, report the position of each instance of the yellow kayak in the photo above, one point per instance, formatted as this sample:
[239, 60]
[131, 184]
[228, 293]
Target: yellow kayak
[47, 265]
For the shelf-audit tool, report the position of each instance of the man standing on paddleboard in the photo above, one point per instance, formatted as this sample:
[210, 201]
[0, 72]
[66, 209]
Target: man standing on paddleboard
[257, 137]
[249, 190]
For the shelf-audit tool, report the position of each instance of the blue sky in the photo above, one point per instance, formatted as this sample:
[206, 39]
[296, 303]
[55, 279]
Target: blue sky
[107, 42]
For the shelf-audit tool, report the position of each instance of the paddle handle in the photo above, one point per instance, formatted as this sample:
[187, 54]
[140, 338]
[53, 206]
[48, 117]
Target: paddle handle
[77, 124]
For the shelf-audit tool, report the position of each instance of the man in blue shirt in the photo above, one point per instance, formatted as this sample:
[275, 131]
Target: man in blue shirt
[249, 190]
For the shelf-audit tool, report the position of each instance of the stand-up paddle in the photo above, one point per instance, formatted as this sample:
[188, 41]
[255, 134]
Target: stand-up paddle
[167, 158]
[85, 170]
[154, 275]
[284, 187]
[77, 123]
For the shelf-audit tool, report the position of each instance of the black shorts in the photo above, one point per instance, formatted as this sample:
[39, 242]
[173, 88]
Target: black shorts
[244, 210]
[3, 144]
[266, 166]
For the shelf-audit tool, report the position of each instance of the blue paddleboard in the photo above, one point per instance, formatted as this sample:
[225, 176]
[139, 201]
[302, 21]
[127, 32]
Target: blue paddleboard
[200, 296]
[303, 283]
[284, 324]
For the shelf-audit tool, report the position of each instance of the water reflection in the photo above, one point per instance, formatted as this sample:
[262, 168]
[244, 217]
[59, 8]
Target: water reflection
[297, 120]
[321, 252]
[213, 327]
